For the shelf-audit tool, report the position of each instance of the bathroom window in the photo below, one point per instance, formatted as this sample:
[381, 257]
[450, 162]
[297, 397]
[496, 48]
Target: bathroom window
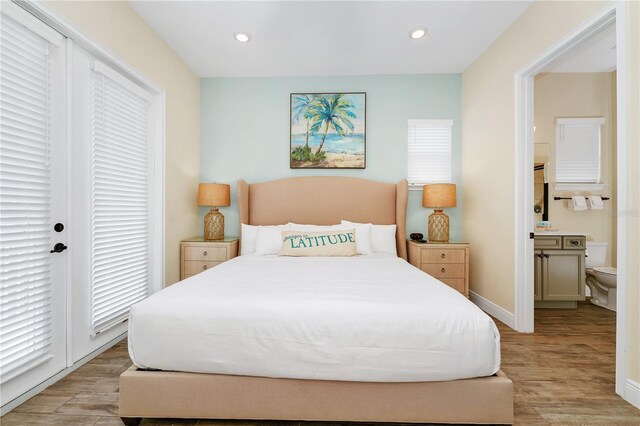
[578, 150]
[429, 152]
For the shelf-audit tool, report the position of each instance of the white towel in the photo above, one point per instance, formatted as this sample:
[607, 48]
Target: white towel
[595, 202]
[578, 202]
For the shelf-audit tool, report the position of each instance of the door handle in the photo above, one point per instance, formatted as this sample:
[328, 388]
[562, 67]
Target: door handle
[546, 255]
[58, 248]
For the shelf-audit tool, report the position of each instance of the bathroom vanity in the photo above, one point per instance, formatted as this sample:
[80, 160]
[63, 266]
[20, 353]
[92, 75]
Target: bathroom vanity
[559, 268]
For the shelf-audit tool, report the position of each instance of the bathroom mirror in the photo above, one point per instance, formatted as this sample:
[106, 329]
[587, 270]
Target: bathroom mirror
[540, 193]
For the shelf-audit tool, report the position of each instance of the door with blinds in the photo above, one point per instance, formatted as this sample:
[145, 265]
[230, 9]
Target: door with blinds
[33, 202]
[112, 185]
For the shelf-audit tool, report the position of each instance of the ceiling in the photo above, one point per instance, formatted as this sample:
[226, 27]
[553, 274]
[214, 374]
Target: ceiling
[318, 38]
[595, 54]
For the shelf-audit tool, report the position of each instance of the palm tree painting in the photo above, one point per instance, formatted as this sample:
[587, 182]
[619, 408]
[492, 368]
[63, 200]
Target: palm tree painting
[328, 130]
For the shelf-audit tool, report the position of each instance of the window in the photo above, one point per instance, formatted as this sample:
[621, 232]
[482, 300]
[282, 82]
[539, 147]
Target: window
[578, 150]
[429, 151]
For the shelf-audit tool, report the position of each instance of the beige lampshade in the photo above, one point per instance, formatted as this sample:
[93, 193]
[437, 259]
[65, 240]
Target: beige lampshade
[214, 194]
[439, 195]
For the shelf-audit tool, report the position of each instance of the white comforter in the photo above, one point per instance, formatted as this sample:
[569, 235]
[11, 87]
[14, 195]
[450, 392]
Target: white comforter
[365, 318]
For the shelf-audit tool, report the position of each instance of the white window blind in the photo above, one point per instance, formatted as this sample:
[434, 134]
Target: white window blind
[120, 262]
[429, 151]
[578, 150]
[25, 262]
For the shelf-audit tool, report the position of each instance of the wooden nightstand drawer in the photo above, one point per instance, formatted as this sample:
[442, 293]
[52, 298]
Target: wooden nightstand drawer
[209, 254]
[444, 270]
[443, 256]
[192, 267]
[455, 283]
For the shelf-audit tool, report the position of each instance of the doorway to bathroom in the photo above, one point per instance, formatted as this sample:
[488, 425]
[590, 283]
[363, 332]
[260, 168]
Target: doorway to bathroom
[574, 184]
[566, 129]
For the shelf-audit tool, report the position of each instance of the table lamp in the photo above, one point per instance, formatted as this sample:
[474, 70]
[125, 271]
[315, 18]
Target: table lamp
[214, 195]
[438, 196]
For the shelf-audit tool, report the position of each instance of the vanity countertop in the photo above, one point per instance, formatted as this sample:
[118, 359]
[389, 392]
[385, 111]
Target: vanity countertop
[542, 233]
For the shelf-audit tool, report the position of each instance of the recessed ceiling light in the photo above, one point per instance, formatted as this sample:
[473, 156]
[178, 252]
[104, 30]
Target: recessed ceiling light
[242, 37]
[417, 33]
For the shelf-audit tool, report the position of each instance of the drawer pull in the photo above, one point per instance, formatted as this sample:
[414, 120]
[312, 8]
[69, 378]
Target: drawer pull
[443, 255]
[204, 267]
[442, 270]
[204, 253]
[575, 242]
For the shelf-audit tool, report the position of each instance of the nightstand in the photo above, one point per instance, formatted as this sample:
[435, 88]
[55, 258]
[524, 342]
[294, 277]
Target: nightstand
[447, 262]
[197, 254]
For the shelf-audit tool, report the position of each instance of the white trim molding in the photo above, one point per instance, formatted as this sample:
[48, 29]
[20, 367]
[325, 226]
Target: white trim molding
[632, 392]
[498, 312]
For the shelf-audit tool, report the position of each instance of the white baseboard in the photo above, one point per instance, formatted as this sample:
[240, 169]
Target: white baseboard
[42, 386]
[632, 392]
[494, 310]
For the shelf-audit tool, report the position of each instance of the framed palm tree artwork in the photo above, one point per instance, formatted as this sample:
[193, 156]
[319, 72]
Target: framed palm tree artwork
[328, 131]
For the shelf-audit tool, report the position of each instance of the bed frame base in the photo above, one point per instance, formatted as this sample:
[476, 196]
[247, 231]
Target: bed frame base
[163, 394]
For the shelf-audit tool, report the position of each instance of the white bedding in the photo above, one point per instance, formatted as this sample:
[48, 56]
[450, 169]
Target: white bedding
[365, 318]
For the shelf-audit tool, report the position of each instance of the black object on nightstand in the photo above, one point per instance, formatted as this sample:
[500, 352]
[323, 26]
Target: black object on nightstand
[417, 237]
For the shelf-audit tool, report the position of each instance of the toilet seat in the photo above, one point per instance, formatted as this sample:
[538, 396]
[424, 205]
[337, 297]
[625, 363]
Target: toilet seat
[606, 270]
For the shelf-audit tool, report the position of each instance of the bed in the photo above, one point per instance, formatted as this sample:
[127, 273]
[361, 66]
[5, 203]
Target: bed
[339, 339]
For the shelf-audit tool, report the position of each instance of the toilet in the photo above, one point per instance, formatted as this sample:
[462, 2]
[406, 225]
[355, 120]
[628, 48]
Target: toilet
[601, 279]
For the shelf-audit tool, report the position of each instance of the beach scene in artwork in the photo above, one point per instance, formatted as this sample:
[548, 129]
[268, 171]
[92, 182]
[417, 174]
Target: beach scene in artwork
[328, 130]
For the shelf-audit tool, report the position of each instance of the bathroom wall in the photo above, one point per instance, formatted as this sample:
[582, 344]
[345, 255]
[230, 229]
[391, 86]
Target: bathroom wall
[580, 95]
[245, 132]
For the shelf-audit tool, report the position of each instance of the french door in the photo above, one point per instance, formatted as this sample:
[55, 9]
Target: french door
[33, 203]
[80, 188]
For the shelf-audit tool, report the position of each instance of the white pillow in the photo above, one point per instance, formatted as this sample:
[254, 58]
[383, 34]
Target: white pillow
[383, 237]
[250, 237]
[269, 239]
[363, 233]
[249, 234]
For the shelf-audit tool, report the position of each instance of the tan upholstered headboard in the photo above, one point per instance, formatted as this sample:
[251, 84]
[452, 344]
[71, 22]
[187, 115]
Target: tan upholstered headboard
[325, 200]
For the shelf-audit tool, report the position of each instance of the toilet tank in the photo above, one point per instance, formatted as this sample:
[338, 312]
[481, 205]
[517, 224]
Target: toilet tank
[596, 253]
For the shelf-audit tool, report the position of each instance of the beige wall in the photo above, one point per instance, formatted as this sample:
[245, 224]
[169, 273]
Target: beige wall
[488, 157]
[119, 29]
[579, 95]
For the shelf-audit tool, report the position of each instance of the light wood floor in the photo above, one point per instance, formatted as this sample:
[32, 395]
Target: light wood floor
[563, 374]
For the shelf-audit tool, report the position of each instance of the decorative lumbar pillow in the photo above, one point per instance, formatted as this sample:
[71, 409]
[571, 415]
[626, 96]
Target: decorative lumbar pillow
[323, 243]
[383, 237]
[363, 233]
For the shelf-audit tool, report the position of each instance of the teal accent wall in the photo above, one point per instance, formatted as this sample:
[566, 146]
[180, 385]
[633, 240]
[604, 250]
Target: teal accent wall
[245, 132]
